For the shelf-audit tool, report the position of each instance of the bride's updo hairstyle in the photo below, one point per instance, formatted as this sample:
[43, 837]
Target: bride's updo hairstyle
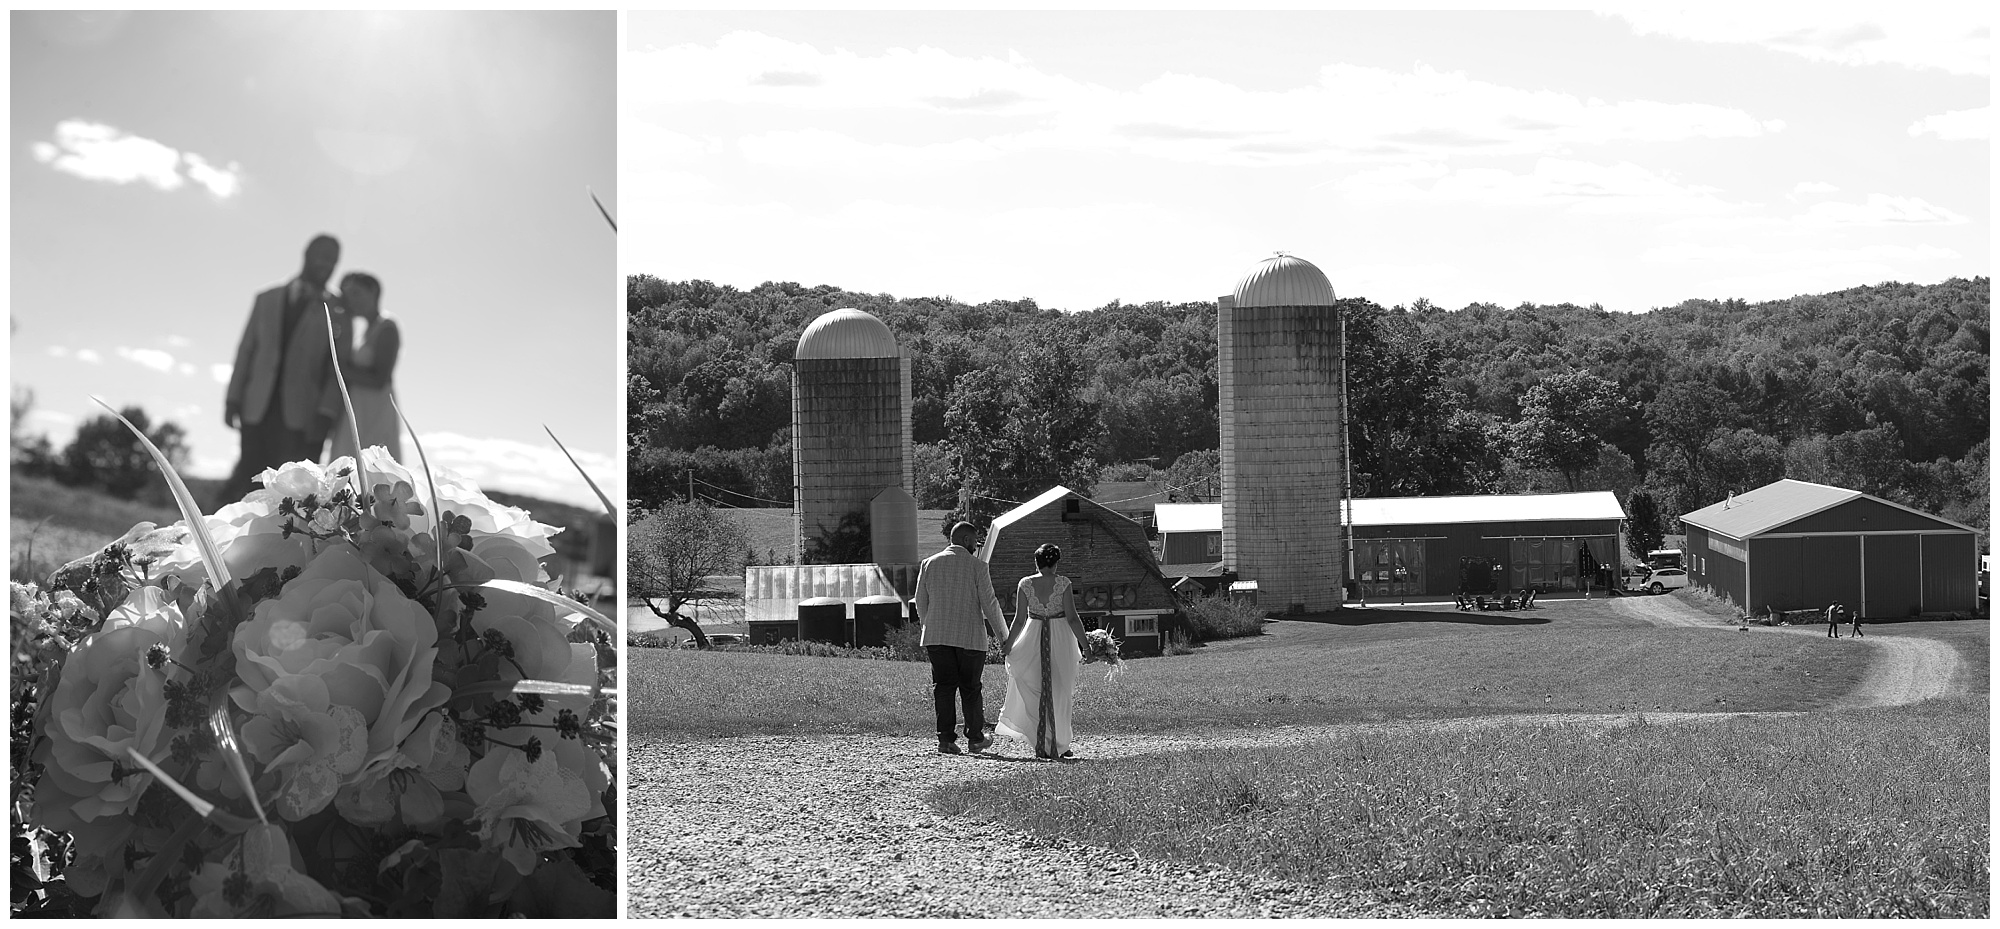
[1047, 555]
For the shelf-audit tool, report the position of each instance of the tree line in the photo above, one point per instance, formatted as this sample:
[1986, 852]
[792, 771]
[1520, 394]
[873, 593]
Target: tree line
[1881, 389]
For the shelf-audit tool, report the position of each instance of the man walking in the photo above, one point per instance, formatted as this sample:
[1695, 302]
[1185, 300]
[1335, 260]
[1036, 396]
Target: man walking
[956, 605]
[1833, 620]
[281, 396]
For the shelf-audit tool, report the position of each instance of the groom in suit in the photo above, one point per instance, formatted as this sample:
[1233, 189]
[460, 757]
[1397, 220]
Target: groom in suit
[282, 398]
[956, 605]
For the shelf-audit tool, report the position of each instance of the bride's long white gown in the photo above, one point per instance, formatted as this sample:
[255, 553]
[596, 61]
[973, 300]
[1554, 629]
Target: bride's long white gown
[372, 410]
[1041, 673]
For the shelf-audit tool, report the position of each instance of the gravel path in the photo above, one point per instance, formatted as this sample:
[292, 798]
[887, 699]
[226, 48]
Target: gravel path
[840, 826]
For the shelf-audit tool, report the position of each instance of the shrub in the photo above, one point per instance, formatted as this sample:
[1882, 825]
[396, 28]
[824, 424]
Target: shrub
[1178, 643]
[1218, 617]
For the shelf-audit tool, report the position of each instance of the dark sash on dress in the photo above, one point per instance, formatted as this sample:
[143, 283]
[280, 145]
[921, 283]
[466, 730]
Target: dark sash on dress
[1045, 717]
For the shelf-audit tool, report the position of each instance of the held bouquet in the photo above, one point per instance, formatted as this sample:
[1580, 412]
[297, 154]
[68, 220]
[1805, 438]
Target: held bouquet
[1101, 645]
[351, 693]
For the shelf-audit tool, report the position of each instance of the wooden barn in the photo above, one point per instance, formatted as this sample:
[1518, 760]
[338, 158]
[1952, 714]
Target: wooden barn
[1794, 545]
[1118, 582]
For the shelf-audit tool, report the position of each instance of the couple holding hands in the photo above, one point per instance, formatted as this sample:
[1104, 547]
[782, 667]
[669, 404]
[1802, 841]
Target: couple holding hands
[1043, 648]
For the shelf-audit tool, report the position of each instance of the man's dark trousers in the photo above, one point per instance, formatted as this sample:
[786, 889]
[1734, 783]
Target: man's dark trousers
[956, 671]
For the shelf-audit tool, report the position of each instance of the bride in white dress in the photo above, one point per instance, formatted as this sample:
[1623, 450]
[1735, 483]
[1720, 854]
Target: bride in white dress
[369, 371]
[1044, 657]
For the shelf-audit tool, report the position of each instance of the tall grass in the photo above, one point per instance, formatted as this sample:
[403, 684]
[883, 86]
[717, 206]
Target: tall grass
[1218, 617]
[1878, 813]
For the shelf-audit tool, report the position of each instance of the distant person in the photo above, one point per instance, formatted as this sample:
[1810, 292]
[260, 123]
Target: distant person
[1854, 616]
[1044, 658]
[369, 371]
[955, 603]
[281, 397]
[1833, 620]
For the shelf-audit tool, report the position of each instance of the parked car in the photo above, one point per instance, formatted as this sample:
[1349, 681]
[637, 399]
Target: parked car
[1657, 580]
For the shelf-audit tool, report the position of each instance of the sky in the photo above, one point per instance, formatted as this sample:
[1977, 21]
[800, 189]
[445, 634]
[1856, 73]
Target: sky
[166, 167]
[1630, 160]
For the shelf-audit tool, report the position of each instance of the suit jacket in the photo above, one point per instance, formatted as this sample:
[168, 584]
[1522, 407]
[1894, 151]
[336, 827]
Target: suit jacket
[955, 601]
[308, 387]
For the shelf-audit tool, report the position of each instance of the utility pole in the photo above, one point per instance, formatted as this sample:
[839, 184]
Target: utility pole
[690, 476]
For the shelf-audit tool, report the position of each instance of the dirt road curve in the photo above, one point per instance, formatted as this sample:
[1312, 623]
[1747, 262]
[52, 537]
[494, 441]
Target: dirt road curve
[1903, 670]
[840, 826]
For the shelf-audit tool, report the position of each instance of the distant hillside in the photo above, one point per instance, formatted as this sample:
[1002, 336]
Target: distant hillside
[1884, 389]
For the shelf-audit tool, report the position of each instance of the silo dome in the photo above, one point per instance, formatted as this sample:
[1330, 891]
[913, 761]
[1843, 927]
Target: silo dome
[1284, 281]
[851, 333]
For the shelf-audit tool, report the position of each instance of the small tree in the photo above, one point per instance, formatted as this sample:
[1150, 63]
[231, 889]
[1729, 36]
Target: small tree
[672, 550]
[1644, 533]
[106, 454]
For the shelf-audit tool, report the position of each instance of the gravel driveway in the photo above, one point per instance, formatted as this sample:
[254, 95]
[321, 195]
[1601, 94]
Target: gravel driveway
[839, 826]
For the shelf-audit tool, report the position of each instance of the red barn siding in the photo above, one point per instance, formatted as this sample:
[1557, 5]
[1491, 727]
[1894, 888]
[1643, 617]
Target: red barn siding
[1861, 514]
[1951, 569]
[1893, 581]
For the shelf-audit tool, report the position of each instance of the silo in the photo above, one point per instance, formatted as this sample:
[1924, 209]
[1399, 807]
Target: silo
[850, 421]
[1279, 367]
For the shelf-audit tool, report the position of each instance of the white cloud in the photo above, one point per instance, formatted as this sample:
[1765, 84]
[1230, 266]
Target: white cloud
[1957, 124]
[1880, 210]
[221, 372]
[1950, 37]
[523, 468]
[57, 351]
[184, 369]
[179, 341]
[59, 427]
[1814, 187]
[97, 152]
[1577, 186]
[89, 355]
[1348, 113]
[147, 357]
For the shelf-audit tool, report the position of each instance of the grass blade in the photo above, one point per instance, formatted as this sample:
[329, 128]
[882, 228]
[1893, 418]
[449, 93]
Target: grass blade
[601, 498]
[551, 597]
[430, 483]
[601, 209]
[211, 556]
[347, 406]
[524, 686]
[225, 742]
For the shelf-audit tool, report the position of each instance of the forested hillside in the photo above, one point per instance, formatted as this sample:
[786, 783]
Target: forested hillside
[1883, 389]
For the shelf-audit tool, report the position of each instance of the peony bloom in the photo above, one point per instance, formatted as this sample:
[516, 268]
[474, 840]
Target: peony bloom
[347, 625]
[525, 808]
[269, 884]
[312, 743]
[107, 704]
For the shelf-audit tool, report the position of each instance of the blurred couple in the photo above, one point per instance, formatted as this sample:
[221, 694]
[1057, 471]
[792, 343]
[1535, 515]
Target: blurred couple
[283, 399]
[1043, 648]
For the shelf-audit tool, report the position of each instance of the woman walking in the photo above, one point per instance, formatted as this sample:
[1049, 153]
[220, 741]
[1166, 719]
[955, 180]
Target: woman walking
[1044, 657]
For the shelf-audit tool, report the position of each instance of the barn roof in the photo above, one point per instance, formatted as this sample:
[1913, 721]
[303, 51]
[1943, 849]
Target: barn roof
[1403, 511]
[1785, 501]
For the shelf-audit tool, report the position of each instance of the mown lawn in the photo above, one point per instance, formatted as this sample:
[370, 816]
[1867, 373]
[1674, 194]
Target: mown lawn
[49, 525]
[1870, 813]
[1571, 656]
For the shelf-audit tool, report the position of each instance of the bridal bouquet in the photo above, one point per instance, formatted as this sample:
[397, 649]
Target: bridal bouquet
[1101, 645]
[350, 693]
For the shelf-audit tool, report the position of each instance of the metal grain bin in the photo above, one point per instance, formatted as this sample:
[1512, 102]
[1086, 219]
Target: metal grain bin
[824, 619]
[873, 617]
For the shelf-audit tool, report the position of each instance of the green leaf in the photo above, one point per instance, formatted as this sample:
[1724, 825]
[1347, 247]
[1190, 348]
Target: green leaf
[550, 597]
[560, 890]
[211, 556]
[601, 498]
[472, 880]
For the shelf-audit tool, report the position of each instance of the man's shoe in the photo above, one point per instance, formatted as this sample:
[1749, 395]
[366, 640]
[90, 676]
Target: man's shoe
[981, 744]
[948, 748]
